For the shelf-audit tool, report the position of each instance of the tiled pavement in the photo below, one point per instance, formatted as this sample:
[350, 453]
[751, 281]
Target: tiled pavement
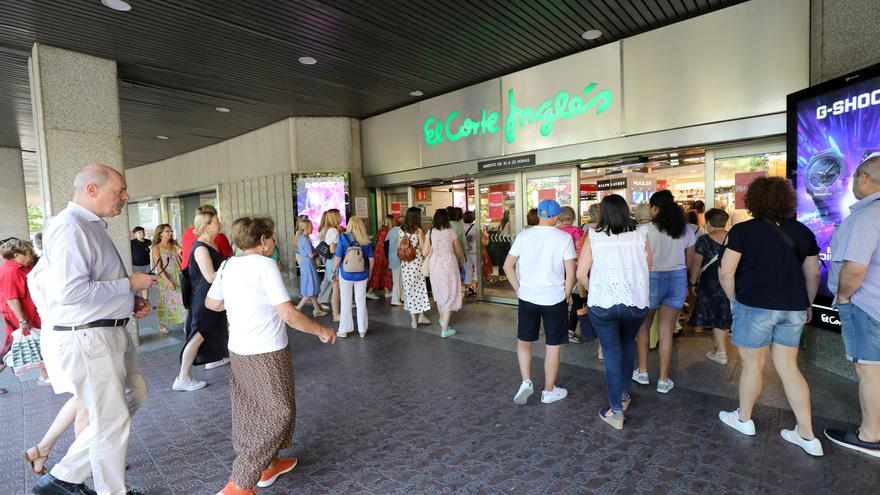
[405, 412]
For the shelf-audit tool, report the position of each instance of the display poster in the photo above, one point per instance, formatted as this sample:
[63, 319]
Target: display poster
[360, 207]
[835, 131]
[741, 182]
[549, 193]
[317, 194]
[395, 211]
[496, 206]
[662, 184]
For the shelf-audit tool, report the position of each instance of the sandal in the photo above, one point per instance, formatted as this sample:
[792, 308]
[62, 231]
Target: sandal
[164, 331]
[37, 462]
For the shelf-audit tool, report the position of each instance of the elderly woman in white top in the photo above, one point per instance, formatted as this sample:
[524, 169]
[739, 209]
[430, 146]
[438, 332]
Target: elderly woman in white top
[615, 265]
[250, 288]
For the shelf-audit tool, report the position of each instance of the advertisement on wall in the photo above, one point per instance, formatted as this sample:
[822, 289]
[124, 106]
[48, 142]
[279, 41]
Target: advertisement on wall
[316, 193]
[831, 129]
[741, 182]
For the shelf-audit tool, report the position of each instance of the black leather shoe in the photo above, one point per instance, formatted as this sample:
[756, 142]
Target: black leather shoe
[50, 485]
[134, 491]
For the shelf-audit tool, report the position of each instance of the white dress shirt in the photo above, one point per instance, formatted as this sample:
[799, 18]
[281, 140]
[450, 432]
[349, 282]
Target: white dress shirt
[87, 280]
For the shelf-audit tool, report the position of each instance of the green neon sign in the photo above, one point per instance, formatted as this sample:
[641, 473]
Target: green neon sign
[561, 106]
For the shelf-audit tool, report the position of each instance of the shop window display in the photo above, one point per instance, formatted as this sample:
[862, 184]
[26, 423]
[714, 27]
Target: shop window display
[733, 176]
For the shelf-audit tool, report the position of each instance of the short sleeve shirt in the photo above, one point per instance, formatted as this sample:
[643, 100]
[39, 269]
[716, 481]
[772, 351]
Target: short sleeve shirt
[342, 247]
[542, 252]
[667, 253]
[250, 287]
[13, 285]
[857, 239]
[393, 241]
[769, 274]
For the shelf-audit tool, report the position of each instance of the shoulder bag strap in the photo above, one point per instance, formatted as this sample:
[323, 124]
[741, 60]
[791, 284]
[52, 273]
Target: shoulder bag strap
[788, 240]
[469, 229]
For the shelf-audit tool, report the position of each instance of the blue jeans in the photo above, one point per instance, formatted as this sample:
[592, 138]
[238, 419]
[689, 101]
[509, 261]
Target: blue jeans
[617, 327]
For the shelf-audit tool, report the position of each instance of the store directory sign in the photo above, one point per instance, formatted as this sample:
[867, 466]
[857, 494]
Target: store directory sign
[831, 128]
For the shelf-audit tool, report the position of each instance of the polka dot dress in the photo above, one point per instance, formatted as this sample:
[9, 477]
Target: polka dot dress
[415, 292]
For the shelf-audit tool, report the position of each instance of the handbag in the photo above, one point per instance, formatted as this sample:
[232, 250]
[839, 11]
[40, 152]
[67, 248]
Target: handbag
[185, 287]
[24, 352]
[323, 250]
[587, 330]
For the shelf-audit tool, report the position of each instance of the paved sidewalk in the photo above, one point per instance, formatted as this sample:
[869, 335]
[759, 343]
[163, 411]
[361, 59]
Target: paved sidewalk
[405, 412]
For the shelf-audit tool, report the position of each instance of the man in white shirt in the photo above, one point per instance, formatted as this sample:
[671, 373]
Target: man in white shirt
[89, 299]
[543, 281]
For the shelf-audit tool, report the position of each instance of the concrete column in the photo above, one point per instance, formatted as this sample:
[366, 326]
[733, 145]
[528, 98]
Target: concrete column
[76, 118]
[13, 204]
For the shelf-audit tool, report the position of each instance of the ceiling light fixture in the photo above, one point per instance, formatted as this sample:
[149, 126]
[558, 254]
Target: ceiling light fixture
[416, 93]
[120, 5]
[222, 109]
[162, 137]
[308, 60]
[591, 34]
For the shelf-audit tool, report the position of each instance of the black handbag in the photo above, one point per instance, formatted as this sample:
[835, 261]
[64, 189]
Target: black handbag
[185, 287]
[323, 250]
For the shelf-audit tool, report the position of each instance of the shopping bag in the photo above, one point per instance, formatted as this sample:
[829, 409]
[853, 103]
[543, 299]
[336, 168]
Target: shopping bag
[24, 352]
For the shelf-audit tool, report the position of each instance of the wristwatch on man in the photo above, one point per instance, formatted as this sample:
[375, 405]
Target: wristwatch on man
[826, 179]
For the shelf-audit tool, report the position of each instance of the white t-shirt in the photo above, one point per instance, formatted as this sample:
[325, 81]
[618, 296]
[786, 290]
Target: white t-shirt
[331, 236]
[668, 253]
[251, 286]
[542, 252]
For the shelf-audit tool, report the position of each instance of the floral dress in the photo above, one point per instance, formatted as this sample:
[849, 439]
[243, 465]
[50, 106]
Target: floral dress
[169, 305]
[415, 292]
[445, 280]
[712, 308]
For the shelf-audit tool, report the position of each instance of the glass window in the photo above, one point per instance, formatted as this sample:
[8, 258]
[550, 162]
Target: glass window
[733, 176]
[144, 214]
[556, 187]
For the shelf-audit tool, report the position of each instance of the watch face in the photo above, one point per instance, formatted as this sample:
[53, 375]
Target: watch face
[824, 171]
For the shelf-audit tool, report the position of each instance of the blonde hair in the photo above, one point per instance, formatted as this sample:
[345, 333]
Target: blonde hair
[248, 232]
[301, 225]
[388, 221]
[203, 218]
[357, 229]
[567, 215]
[642, 213]
[330, 220]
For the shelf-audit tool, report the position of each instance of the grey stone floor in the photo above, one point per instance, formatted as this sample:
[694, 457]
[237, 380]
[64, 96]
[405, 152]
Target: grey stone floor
[405, 412]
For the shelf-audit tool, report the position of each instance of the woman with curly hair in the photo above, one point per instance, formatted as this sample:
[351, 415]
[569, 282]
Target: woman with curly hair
[770, 273]
[672, 247]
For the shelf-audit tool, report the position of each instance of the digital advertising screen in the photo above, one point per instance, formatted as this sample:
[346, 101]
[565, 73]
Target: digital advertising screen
[317, 193]
[831, 128]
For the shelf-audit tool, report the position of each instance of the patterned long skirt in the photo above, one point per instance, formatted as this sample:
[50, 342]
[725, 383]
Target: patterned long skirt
[263, 411]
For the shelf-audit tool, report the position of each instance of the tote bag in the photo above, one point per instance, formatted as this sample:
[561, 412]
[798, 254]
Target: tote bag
[24, 353]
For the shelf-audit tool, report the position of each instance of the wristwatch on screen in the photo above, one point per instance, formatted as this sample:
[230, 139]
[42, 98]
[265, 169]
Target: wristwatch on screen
[825, 182]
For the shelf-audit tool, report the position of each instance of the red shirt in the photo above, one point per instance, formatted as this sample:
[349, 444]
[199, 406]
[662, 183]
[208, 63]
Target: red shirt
[13, 285]
[189, 238]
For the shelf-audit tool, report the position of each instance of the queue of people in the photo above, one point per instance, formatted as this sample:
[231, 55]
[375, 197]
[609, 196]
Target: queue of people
[756, 280]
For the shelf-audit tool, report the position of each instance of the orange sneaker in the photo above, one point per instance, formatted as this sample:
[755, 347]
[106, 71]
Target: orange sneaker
[281, 466]
[231, 489]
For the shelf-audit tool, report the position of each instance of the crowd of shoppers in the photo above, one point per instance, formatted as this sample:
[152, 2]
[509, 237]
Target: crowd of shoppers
[756, 281]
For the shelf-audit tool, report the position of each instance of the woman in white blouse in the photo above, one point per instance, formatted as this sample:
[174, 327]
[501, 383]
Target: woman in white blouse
[615, 265]
[250, 288]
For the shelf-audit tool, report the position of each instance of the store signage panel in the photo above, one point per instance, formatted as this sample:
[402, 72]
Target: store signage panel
[610, 184]
[462, 125]
[572, 100]
[742, 181]
[506, 163]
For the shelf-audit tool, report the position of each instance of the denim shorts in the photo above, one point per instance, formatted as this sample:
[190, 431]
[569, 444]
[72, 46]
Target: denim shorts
[668, 288]
[861, 335]
[758, 327]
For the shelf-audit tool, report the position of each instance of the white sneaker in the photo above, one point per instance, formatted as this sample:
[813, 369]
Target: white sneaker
[387, 294]
[217, 364]
[812, 447]
[731, 419]
[718, 357]
[526, 389]
[187, 385]
[44, 382]
[665, 386]
[641, 378]
[372, 296]
[558, 393]
[340, 334]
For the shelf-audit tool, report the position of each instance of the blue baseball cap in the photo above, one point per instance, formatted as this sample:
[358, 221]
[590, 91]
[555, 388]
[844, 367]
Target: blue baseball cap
[549, 208]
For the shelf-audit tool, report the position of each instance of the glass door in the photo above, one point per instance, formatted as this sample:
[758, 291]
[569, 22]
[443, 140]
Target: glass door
[498, 205]
[555, 184]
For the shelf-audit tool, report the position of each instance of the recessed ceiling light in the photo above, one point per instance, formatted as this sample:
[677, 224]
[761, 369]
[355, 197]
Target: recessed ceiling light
[222, 109]
[416, 93]
[162, 137]
[308, 60]
[120, 5]
[591, 34]
[692, 171]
